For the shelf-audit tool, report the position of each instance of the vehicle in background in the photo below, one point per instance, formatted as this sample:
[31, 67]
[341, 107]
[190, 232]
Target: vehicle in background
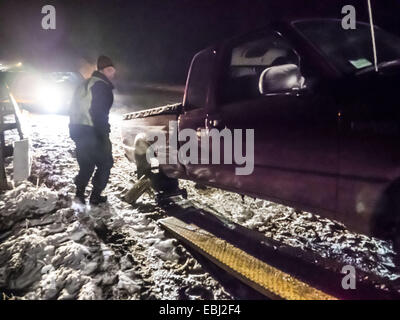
[326, 124]
[55, 91]
[49, 92]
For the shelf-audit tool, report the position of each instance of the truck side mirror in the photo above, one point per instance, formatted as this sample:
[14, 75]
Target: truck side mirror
[281, 79]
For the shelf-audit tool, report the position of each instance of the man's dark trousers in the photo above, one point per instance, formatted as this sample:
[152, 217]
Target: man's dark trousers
[93, 151]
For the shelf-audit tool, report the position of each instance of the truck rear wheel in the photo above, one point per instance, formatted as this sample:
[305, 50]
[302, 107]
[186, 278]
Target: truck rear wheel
[142, 166]
[159, 181]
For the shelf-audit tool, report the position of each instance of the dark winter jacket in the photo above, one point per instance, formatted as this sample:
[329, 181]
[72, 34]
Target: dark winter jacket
[91, 106]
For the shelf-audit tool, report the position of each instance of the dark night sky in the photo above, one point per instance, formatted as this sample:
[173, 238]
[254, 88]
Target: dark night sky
[151, 40]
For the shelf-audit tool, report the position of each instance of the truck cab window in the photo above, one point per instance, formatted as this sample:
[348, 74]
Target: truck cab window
[247, 61]
[199, 79]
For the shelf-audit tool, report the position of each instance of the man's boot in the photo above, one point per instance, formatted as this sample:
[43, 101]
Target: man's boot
[80, 195]
[96, 198]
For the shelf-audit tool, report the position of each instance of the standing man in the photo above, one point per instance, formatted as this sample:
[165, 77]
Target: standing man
[89, 129]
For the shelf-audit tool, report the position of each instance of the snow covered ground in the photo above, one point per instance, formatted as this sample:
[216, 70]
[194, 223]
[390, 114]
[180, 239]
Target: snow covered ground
[303, 230]
[53, 248]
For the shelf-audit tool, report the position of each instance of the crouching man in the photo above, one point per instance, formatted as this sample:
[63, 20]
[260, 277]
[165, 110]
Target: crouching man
[89, 129]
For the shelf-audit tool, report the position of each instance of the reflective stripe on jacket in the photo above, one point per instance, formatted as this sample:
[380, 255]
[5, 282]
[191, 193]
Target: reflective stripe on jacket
[82, 102]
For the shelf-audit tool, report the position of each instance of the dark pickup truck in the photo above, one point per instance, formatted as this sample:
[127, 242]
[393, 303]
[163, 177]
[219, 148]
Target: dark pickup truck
[326, 123]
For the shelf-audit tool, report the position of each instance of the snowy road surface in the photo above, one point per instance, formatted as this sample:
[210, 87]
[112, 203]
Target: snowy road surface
[53, 248]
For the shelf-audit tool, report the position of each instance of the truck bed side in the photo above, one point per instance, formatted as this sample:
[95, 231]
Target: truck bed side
[168, 109]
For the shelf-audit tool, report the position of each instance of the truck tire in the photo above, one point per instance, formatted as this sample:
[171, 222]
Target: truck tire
[159, 181]
[143, 167]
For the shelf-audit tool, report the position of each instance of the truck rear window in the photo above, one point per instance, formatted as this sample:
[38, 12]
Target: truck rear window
[249, 58]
